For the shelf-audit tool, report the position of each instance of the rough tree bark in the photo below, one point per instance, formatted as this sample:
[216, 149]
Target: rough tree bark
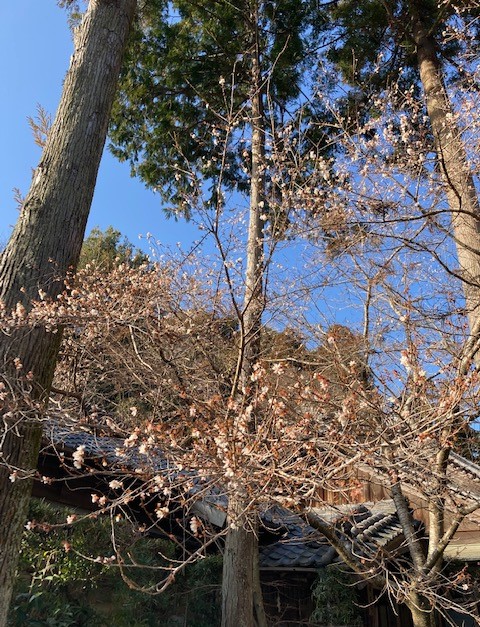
[242, 603]
[464, 208]
[45, 245]
[453, 163]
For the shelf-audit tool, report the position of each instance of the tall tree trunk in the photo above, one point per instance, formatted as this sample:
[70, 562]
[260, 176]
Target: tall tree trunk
[464, 207]
[44, 245]
[242, 603]
[238, 560]
[453, 163]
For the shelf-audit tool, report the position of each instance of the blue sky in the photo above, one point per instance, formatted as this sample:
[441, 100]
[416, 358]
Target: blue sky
[35, 48]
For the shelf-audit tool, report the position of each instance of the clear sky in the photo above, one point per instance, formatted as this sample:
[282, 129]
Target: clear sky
[35, 49]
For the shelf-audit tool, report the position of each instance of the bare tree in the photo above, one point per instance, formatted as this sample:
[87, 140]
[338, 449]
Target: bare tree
[333, 428]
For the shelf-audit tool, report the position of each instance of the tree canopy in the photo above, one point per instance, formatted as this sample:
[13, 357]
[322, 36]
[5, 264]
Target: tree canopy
[184, 95]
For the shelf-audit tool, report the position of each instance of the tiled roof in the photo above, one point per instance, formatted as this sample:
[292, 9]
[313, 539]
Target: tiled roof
[295, 544]
[289, 541]
[464, 477]
[370, 526]
[128, 459]
[112, 449]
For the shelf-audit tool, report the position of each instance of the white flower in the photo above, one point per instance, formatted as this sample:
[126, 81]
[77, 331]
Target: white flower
[278, 368]
[130, 441]
[404, 360]
[194, 525]
[161, 512]
[114, 484]
[78, 456]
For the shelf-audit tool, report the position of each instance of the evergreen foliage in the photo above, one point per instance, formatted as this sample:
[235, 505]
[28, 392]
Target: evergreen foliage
[57, 587]
[107, 249]
[335, 597]
[373, 39]
[183, 103]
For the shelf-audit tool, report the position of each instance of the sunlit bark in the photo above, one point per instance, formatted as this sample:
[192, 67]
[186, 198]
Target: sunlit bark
[45, 244]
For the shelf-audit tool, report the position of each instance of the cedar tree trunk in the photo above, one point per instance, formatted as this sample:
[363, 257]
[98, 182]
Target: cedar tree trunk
[242, 603]
[238, 560]
[453, 163]
[44, 246]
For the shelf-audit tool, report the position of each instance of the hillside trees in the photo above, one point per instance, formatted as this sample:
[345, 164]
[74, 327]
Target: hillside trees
[107, 249]
[44, 245]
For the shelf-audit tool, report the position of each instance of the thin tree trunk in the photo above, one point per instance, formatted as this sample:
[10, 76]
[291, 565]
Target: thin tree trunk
[436, 506]
[465, 218]
[242, 601]
[452, 159]
[412, 538]
[45, 245]
[421, 609]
